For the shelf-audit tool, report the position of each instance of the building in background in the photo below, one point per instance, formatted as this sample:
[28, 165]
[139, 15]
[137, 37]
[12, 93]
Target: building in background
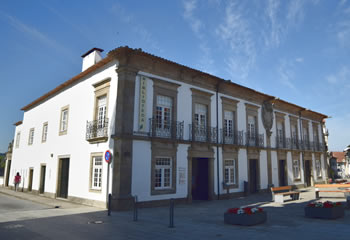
[173, 131]
[339, 164]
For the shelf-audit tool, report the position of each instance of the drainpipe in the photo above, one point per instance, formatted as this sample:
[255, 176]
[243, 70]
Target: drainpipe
[217, 139]
[302, 138]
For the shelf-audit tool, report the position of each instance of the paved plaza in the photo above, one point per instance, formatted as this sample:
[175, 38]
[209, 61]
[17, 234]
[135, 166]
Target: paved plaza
[199, 220]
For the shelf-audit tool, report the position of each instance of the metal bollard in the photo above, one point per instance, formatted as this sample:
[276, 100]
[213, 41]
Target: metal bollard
[135, 209]
[109, 204]
[171, 213]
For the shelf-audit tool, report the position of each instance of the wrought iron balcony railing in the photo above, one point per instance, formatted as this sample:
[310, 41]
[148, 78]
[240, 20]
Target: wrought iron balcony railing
[233, 138]
[97, 130]
[254, 140]
[201, 133]
[166, 129]
[306, 145]
[295, 144]
[283, 143]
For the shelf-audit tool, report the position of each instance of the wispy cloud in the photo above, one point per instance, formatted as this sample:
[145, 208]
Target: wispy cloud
[295, 14]
[341, 77]
[35, 34]
[135, 26]
[299, 59]
[286, 74]
[235, 32]
[274, 27]
[197, 26]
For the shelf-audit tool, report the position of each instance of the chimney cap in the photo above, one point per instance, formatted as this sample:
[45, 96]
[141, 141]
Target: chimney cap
[91, 50]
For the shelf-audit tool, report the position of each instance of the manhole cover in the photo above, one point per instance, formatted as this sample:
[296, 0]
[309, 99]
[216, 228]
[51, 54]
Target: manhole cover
[95, 222]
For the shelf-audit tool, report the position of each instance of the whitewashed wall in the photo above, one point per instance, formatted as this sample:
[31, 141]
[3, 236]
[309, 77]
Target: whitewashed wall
[80, 98]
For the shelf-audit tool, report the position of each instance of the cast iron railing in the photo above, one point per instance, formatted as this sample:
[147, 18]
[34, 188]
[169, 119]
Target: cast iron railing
[254, 140]
[233, 138]
[283, 142]
[96, 129]
[200, 133]
[166, 129]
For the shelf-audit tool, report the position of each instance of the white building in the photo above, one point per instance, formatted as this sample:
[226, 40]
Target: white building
[174, 132]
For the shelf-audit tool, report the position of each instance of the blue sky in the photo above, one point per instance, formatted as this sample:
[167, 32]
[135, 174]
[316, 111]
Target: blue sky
[295, 50]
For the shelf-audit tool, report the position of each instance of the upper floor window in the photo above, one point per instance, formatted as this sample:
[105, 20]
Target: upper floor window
[280, 132]
[64, 120]
[228, 123]
[163, 112]
[200, 115]
[18, 136]
[44, 135]
[251, 128]
[315, 134]
[31, 136]
[101, 111]
[306, 134]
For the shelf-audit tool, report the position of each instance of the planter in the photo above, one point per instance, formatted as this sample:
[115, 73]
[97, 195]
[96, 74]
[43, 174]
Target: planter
[245, 219]
[324, 213]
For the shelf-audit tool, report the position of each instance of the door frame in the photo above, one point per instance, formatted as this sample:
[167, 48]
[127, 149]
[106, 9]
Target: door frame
[7, 172]
[285, 172]
[42, 188]
[30, 179]
[59, 166]
[257, 174]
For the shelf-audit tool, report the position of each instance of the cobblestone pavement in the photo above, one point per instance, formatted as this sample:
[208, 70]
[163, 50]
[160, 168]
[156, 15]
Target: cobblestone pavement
[199, 220]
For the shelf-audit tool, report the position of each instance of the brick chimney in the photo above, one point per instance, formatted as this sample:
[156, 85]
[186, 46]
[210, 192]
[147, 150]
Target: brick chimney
[91, 57]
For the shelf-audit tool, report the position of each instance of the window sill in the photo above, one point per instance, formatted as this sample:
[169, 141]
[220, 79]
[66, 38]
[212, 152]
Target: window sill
[95, 190]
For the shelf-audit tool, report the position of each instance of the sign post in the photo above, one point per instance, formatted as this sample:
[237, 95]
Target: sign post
[108, 159]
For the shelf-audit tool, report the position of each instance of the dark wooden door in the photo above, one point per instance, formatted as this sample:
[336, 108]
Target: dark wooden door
[30, 183]
[253, 175]
[42, 179]
[282, 173]
[64, 178]
[308, 173]
[8, 173]
[200, 182]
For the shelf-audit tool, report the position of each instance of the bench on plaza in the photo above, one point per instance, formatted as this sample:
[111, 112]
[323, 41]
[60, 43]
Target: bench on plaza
[333, 188]
[278, 193]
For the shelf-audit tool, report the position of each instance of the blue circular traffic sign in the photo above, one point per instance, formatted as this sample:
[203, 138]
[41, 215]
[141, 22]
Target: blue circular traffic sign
[108, 156]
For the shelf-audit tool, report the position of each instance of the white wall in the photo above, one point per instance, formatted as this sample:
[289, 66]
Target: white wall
[80, 97]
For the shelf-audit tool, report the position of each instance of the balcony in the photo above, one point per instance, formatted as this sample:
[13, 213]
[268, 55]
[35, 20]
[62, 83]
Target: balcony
[200, 133]
[234, 138]
[166, 129]
[254, 140]
[283, 143]
[319, 147]
[306, 145]
[295, 143]
[97, 131]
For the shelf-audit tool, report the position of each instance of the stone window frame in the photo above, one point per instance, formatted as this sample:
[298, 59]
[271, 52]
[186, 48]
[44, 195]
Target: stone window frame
[31, 139]
[280, 119]
[43, 140]
[101, 89]
[229, 105]
[230, 154]
[201, 97]
[169, 151]
[64, 132]
[293, 121]
[18, 138]
[252, 110]
[167, 89]
[315, 127]
[92, 155]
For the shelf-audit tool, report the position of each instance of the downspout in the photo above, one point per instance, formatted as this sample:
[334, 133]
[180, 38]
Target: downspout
[217, 139]
[302, 138]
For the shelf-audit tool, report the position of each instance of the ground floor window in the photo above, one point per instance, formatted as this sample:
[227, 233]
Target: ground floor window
[318, 168]
[230, 170]
[96, 173]
[163, 173]
[296, 169]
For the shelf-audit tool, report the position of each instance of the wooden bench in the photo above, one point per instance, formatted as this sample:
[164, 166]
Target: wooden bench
[327, 187]
[278, 193]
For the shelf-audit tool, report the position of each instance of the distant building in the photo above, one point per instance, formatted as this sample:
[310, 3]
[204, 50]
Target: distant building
[339, 164]
[173, 131]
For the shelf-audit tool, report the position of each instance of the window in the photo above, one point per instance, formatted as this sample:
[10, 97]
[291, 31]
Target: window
[64, 120]
[228, 123]
[31, 136]
[318, 168]
[44, 136]
[163, 173]
[251, 130]
[296, 169]
[294, 135]
[280, 133]
[96, 173]
[200, 115]
[230, 177]
[163, 112]
[17, 139]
